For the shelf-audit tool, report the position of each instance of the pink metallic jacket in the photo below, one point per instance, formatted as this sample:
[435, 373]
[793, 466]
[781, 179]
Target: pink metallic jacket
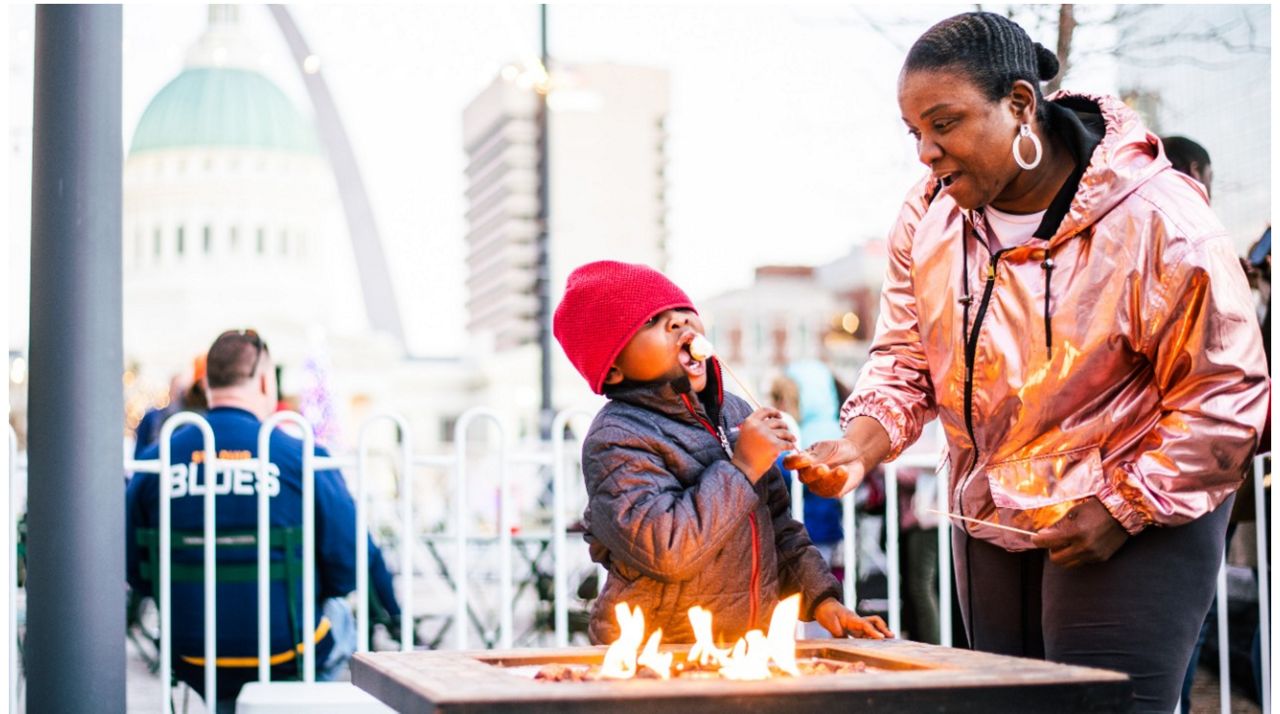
[1122, 359]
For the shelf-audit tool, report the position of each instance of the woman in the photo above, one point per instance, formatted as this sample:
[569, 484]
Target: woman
[1072, 311]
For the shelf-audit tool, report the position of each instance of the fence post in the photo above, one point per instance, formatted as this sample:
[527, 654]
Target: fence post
[1224, 651]
[164, 590]
[362, 529]
[944, 557]
[559, 525]
[460, 523]
[850, 551]
[1264, 575]
[308, 536]
[10, 633]
[893, 532]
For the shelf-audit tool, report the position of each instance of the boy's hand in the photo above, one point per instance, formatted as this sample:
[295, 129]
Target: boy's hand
[761, 437]
[840, 621]
[833, 468]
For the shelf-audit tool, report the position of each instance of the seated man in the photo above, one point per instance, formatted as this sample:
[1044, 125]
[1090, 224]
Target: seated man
[241, 387]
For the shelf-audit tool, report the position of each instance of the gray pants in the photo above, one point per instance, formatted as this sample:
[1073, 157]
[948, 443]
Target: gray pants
[1137, 613]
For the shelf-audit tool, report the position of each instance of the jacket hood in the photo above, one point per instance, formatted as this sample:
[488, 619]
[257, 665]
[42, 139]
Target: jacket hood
[1126, 158]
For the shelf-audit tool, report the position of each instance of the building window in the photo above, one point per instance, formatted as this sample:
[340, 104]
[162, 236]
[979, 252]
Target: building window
[234, 239]
[182, 239]
[138, 248]
[208, 240]
[262, 241]
[284, 242]
[158, 241]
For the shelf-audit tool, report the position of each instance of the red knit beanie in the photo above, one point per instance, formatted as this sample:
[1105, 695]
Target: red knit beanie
[605, 304]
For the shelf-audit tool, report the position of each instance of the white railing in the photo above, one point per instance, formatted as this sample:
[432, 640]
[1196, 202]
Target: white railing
[163, 592]
[458, 463]
[7, 561]
[264, 546]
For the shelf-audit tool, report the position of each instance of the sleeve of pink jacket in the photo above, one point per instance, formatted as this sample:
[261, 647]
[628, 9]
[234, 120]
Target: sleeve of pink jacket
[894, 387]
[1202, 336]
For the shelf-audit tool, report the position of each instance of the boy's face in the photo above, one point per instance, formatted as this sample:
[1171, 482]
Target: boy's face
[660, 351]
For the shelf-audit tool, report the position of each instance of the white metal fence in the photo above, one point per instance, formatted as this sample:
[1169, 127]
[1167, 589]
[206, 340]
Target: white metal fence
[552, 454]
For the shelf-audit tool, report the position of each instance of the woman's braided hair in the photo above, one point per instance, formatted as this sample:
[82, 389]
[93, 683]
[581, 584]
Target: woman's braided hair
[992, 50]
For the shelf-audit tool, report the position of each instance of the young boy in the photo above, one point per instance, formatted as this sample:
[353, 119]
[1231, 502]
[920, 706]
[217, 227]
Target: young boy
[685, 506]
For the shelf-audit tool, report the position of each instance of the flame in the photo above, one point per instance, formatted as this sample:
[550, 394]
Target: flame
[704, 651]
[782, 635]
[620, 659]
[751, 657]
[659, 662]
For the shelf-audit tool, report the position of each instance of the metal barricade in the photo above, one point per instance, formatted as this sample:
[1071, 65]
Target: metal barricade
[406, 531]
[164, 594]
[264, 546]
[10, 632]
[460, 527]
[559, 525]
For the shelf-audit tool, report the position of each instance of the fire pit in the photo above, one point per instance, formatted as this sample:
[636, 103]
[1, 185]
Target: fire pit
[899, 676]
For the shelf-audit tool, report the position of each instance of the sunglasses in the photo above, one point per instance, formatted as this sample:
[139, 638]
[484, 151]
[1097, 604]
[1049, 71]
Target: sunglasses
[254, 339]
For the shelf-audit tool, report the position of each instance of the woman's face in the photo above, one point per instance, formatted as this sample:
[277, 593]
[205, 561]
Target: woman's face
[962, 136]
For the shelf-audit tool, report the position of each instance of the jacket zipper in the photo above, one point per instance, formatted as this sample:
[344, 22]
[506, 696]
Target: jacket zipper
[755, 570]
[970, 354]
[755, 528]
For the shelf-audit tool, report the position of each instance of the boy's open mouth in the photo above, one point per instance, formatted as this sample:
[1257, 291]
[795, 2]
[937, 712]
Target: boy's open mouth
[692, 367]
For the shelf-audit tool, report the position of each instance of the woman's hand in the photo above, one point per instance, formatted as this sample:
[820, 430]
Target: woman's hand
[833, 468]
[840, 621]
[1087, 534]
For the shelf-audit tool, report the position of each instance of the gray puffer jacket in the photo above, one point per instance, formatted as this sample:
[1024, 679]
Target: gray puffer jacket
[678, 525]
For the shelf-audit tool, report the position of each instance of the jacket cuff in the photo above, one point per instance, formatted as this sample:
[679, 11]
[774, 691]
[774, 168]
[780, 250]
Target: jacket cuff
[1130, 518]
[893, 420]
[830, 593]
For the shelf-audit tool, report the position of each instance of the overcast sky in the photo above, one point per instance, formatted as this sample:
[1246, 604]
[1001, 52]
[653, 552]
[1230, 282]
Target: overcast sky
[785, 140]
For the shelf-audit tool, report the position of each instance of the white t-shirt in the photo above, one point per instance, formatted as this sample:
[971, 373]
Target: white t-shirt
[1011, 229]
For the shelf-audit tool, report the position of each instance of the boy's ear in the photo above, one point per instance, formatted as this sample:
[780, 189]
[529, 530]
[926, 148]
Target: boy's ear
[613, 376]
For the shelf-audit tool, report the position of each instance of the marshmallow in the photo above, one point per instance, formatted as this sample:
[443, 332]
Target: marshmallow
[700, 348]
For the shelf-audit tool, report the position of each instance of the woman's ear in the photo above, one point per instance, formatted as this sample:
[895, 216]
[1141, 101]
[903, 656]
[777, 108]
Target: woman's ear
[1022, 99]
[613, 376]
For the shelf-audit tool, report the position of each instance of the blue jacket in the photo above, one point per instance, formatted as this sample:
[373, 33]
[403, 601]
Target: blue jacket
[236, 436]
[819, 421]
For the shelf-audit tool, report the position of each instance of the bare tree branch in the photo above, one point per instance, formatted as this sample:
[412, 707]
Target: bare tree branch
[1066, 29]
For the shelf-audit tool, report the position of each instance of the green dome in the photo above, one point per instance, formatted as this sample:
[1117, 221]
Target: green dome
[211, 106]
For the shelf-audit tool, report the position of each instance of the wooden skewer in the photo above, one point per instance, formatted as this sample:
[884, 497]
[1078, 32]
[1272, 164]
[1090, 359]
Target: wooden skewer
[750, 397]
[981, 522]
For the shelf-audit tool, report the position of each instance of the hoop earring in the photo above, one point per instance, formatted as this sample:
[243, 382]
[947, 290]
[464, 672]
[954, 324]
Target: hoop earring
[1026, 132]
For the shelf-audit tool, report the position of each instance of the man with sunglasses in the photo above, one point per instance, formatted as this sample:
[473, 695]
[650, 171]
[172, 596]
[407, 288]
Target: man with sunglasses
[240, 380]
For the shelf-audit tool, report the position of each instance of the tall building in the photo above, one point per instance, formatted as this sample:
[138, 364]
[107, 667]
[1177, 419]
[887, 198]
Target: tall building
[607, 186]
[607, 145]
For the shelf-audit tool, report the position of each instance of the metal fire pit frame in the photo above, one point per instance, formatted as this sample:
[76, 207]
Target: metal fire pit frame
[922, 678]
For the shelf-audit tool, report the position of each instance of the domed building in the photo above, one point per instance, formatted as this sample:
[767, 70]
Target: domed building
[231, 215]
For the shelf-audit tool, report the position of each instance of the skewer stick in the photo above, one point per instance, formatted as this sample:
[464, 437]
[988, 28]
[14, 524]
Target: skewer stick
[701, 349]
[982, 523]
[750, 397]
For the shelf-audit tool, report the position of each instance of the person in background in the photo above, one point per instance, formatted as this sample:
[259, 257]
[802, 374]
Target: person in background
[186, 394]
[241, 387]
[808, 393]
[1191, 159]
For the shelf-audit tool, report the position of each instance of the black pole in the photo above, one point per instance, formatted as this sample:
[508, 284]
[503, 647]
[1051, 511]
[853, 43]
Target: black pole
[75, 590]
[546, 411]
